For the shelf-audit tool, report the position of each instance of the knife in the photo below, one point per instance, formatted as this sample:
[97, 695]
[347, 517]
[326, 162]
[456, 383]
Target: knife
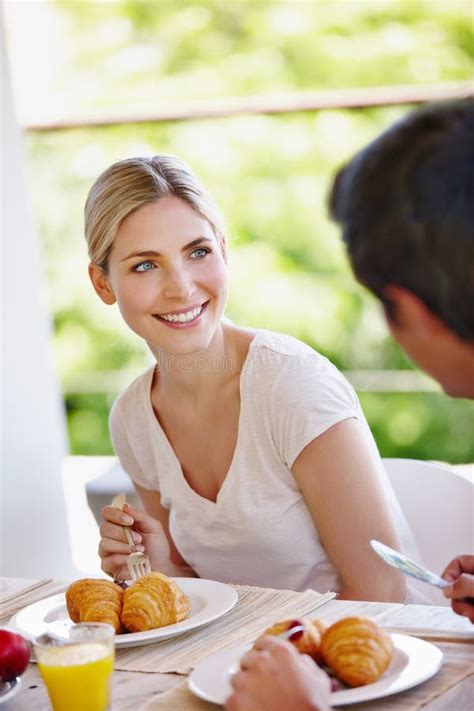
[406, 565]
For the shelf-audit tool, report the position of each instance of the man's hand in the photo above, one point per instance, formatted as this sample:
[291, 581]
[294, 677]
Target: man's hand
[274, 676]
[460, 572]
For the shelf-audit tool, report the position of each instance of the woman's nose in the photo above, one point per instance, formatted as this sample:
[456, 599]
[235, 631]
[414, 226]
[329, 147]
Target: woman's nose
[178, 284]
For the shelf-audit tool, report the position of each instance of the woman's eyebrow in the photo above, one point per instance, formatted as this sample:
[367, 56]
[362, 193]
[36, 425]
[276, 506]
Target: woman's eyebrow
[146, 253]
[195, 242]
[153, 253]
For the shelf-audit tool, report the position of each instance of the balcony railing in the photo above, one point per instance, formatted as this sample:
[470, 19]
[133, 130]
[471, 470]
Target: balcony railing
[272, 104]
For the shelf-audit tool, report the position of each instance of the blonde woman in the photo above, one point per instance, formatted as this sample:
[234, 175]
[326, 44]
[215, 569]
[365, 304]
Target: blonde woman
[248, 449]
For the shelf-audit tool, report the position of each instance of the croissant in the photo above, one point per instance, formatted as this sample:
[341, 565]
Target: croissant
[90, 600]
[357, 649]
[310, 641]
[154, 600]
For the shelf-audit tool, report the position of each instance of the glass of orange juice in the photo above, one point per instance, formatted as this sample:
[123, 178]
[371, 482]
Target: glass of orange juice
[77, 672]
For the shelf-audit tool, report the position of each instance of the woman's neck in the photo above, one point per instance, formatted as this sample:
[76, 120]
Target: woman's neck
[202, 374]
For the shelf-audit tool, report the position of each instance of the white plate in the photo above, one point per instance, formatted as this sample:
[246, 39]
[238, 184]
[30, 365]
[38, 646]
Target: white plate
[9, 689]
[414, 661]
[209, 600]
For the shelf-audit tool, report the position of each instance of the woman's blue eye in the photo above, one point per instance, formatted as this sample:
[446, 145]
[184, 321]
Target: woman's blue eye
[200, 252]
[144, 267]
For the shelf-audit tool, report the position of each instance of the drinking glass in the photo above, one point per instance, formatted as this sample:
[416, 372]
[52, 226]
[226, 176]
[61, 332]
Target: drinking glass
[77, 672]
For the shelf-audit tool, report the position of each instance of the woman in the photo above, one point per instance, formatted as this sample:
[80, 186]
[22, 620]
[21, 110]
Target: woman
[249, 451]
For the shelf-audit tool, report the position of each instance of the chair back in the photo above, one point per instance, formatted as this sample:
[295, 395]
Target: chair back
[438, 503]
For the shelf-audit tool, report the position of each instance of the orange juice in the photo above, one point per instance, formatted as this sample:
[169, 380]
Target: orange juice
[77, 676]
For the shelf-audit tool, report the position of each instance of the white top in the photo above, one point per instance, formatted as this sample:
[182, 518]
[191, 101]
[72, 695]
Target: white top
[259, 531]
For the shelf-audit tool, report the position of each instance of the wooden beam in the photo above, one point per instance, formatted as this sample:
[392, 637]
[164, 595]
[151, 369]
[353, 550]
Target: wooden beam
[271, 104]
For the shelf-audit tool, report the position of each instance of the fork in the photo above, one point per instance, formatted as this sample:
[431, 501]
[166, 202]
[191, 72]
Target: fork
[294, 632]
[138, 564]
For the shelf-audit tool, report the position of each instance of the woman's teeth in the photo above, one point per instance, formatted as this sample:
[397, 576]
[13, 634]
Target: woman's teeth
[183, 317]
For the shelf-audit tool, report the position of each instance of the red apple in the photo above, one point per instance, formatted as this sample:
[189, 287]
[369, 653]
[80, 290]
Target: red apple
[14, 655]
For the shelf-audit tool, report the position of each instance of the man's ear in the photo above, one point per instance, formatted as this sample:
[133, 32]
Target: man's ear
[408, 312]
[100, 282]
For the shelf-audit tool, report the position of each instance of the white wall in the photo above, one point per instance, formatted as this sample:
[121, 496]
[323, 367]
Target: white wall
[34, 540]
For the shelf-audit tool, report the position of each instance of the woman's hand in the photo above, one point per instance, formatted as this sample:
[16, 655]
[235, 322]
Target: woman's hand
[460, 573]
[275, 677]
[147, 534]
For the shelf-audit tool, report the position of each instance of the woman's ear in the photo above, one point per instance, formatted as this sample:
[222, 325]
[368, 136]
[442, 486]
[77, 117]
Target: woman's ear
[101, 284]
[223, 246]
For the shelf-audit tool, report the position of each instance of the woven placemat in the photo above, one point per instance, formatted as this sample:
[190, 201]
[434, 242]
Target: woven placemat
[16, 595]
[178, 699]
[457, 665]
[256, 609]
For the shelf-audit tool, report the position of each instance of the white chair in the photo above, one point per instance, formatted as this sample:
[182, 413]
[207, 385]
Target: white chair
[438, 503]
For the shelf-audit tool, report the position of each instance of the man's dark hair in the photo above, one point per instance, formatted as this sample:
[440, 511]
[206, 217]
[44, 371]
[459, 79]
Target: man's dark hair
[406, 206]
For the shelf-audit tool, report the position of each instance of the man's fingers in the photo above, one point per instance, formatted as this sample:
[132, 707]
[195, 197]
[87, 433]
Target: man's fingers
[266, 641]
[459, 565]
[237, 680]
[464, 608]
[462, 587]
[466, 563]
[240, 702]
[250, 659]
[270, 643]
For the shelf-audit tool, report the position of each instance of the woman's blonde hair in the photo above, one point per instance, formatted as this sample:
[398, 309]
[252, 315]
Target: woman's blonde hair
[128, 185]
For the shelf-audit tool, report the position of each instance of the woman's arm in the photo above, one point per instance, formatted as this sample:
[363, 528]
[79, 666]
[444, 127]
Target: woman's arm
[338, 476]
[150, 532]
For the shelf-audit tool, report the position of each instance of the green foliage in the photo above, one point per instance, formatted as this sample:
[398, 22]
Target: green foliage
[420, 425]
[402, 423]
[88, 423]
[270, 175]
[151, 52]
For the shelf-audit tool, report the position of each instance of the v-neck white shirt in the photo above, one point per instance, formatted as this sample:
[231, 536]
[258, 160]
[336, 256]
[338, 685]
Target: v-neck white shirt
[259, 531]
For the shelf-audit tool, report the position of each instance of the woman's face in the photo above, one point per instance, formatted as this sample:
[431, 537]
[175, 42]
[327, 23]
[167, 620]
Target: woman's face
[168, 274]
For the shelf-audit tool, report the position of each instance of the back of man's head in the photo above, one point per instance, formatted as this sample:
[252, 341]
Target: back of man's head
[406, 206]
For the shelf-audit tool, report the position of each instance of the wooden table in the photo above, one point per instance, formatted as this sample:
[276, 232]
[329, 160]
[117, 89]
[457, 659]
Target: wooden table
[130, 690]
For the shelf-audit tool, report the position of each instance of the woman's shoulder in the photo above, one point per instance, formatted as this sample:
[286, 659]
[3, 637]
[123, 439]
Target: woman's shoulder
[289, 370]
[281, 348]
[252, 344]
[136, 393]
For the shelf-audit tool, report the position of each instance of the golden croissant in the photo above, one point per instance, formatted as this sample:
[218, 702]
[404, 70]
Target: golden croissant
[357, 649]
[310, 641]
[154, 600]
[90, 600]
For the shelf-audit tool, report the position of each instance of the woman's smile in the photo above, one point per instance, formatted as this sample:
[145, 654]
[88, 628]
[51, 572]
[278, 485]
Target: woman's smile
[183, 318]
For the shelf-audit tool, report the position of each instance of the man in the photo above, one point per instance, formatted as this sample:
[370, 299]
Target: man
[406, 207]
